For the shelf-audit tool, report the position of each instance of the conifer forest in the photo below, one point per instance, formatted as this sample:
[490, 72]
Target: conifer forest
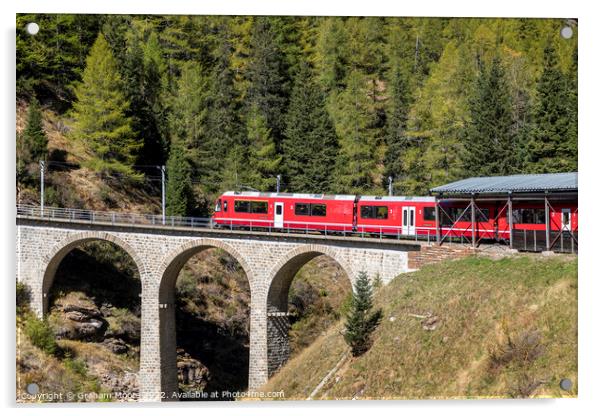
[331, 104]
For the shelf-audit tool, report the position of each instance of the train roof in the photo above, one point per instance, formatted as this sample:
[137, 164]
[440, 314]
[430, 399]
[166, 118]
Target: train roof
[291, 195]
[398, 198]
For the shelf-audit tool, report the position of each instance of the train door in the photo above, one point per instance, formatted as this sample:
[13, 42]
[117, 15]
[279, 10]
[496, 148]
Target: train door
[278, 214]
[566, 219]
[408, 218]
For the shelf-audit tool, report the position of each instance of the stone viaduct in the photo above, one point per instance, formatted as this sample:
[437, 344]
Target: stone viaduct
[270, 261]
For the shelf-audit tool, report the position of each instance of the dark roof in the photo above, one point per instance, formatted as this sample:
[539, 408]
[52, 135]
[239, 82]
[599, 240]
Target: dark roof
[515, 183]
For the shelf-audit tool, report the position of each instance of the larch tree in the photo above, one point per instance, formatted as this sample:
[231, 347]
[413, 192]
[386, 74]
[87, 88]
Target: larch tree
[101, 123]
[310, 143]
[263, 159]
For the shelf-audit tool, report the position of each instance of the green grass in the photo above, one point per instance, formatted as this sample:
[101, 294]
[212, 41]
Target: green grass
[507, 328]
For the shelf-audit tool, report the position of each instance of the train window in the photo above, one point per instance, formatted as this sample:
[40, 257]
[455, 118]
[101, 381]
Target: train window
[463, 215]
[374, 212]
[225, 206]
[529, 216]
[259, 207]
[381, 213]
[428, 214]
[318, 210]
[366, 211]
[242, 206]
[483, 215]
[301, 209]
[218, 205]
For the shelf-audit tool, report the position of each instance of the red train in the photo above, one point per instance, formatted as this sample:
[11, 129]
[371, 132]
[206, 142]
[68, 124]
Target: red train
[384, 215]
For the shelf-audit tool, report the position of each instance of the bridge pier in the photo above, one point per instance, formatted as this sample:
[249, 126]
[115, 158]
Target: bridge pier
[152, 365]
[258, 337]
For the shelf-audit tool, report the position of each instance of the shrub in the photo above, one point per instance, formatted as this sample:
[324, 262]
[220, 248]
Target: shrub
[521, 349]
[40, 334]
[23, 297]
[377, 282]
[76, 366]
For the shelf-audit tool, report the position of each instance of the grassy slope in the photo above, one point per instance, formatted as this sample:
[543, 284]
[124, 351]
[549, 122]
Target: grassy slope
[479, 301]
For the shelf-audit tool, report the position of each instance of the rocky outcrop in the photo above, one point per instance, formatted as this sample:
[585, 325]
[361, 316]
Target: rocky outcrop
[191, 372]
[116, 345]
[78, 318]
[124, 386]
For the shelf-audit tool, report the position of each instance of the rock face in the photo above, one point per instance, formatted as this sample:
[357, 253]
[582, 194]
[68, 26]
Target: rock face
[124, 386]
[116, 345]
[191, 372]
[79, 319]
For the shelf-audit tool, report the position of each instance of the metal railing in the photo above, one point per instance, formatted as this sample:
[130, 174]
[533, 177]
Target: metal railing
[111, 217]
[126, 218]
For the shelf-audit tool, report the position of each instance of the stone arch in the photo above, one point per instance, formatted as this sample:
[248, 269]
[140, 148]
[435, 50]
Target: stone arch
[280, 280]
[168, 273]
[176, 259]
[52, 260]
[283, 272]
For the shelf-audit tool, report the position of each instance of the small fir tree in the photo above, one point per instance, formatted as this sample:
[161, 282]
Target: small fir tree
[32, 143]
[361, 321]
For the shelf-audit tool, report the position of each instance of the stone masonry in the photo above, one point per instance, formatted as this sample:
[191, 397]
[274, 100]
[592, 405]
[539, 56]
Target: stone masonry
[270, 261]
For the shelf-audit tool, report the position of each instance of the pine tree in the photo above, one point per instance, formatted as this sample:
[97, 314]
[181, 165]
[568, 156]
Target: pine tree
[143, 73]
[553, 143]
[225, 130]
[355, 118]
[310, 143]
[267, 77]
[188, 119]
[361, 321]
[396, 135]
[264, 162]
[100, 117]
[50, 61]
[178, 195]
[491, 147]
[32, 143]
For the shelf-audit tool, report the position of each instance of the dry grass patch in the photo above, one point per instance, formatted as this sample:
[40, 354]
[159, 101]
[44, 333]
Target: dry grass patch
[488, 342]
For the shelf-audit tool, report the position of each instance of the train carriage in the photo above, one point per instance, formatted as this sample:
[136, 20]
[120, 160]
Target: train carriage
[396, 215]
[309, 212]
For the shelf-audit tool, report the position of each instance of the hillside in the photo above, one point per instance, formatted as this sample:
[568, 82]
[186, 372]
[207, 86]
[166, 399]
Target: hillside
[477, 327]
[69, 184]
